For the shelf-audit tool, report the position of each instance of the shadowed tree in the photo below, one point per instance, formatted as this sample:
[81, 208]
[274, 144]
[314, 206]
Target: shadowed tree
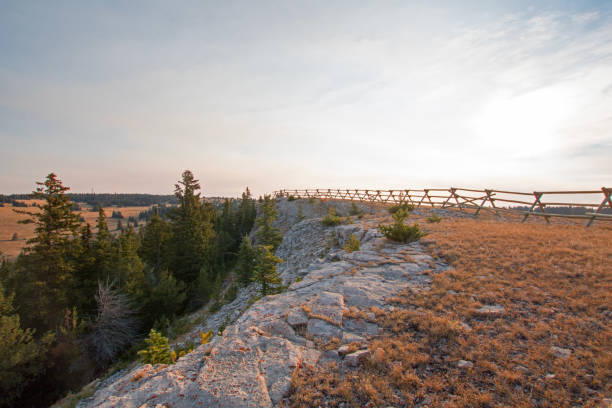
[50, 256]
[115, 326]
[22, 356]
[192, 232]
[265, 270]
[268, 235]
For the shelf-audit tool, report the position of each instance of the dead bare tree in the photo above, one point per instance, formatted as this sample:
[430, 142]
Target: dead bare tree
[115, 326]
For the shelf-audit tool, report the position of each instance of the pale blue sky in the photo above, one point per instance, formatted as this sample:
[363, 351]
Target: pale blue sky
[122, 96]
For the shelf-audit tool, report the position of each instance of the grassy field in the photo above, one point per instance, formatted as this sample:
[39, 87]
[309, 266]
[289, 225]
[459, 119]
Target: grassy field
[9, 224]
[522, 318]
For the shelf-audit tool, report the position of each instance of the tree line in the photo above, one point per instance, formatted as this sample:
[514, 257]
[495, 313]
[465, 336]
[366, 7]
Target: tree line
[78, 298]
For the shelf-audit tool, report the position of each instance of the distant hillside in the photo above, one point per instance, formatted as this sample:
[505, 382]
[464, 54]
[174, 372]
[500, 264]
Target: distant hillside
[107, 199]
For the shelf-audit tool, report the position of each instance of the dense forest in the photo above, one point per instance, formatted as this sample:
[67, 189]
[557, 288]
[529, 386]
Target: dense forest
[78, 299]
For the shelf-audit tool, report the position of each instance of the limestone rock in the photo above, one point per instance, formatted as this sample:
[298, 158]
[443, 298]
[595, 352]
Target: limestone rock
[561, 352]
[354, 359]
[465, 364]
[491, 311]
[323, 330]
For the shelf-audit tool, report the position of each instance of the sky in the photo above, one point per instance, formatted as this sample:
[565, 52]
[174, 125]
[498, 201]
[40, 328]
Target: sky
[119, 96]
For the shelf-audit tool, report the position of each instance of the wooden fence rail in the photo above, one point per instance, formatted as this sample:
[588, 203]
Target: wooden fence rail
[466, 198]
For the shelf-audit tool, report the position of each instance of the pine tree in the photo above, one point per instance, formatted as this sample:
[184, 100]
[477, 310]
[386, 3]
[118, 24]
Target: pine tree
[192, 232]
[157, 351]
[265, 270]
[247, 256]
[246, 213]
[22, 356]
[268, 235]
[49, 258]
[103, 248]
[85, 276]
[154, 247]
[128, 268]
[161, 299]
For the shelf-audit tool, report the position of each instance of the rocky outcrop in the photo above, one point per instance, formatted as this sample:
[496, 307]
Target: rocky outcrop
[331, 298]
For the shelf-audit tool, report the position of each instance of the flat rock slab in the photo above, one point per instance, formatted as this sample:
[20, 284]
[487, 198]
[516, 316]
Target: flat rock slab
[297, 317]
[328, 304]
[323, 330]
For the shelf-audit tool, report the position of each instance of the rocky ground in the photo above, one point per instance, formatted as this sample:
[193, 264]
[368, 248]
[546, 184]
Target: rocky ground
[326, 314]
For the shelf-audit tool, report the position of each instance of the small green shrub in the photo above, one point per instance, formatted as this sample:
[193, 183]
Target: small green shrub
[180, 351]
[312, 200]
[403, 206]
[231, 294]
[215, 307]
[331, 219]
[224, 325]
[355, 210]
[353, 244]
[398, 231]
[291, 198]
[157, 351]
[434, 218]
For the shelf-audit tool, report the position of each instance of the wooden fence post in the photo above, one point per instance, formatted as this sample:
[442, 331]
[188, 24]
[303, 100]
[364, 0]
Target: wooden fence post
[539, 204]
[607, 192]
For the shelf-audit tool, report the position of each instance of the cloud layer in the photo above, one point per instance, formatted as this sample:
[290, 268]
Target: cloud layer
[280, 96]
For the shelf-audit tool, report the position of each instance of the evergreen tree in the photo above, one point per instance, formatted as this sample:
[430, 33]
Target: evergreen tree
[246, 213]
[247, 256]
[265, 270]
[162, 299]
[227, 233]
[192, 231]
[128, 268]
[49, 259]
[268, 235]
[22, 356]
[86, 275]
[157, 351]
[102, 248]
[154, 247]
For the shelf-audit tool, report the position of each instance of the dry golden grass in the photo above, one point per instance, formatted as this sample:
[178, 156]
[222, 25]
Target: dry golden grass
[9, 224]
[555, 285]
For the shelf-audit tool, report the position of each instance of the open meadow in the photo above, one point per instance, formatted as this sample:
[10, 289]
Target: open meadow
[9, 223]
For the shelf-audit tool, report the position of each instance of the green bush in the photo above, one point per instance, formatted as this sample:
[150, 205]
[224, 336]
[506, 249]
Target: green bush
[231, 294]
[353, 244]
[398, 231]
[215, 307]
[434, 218]
[291, 198]
[331, 219]
[355, 210]
[157, 351]
[403, 206]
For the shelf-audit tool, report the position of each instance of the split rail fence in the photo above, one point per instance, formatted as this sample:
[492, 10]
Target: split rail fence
[495, 201]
